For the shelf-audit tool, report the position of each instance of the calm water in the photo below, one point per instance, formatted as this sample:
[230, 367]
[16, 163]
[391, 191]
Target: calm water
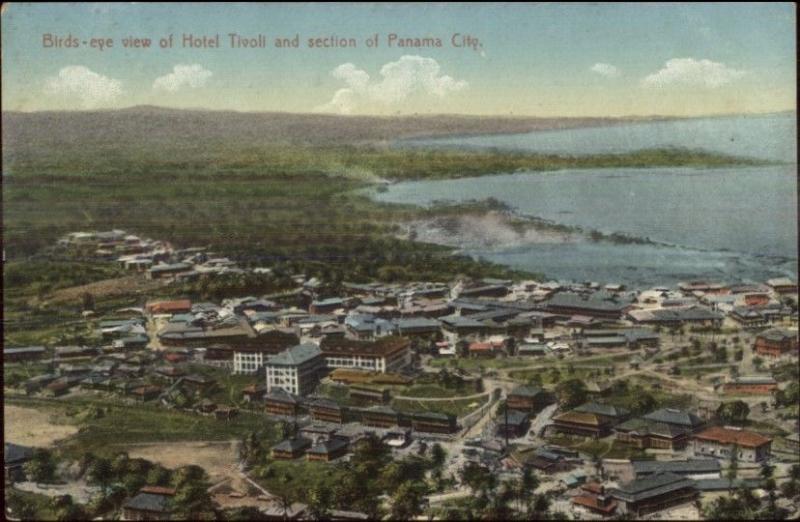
[765, 137]
[726, 224]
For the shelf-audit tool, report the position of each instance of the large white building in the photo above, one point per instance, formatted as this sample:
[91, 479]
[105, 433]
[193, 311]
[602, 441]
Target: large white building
[248, 361]
[388, 354]
[295, 370]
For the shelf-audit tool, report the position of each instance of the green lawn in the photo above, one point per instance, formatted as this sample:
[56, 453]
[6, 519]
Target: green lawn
[300, 475]
[429, 390]
[457, 407]
[477, 363]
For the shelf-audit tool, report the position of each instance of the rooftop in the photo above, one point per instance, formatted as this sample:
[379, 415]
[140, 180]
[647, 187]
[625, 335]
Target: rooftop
[597, 408]
[674, 416]
[295, 355]
[651, 486]
[646, 467]
[733, 436]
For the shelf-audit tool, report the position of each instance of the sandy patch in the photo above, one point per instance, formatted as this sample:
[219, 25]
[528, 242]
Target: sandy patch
[488, 230]
[219, 459]
[31, 427]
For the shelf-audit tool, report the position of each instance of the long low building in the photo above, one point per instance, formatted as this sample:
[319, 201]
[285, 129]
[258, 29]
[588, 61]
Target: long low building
[751, 385]
[28, 353]
[653, 493]
[600, 305]
[690, 468]
[721, 442]
[677, 316]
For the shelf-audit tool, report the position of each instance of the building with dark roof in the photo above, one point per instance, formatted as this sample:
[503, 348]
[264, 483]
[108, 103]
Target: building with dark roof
[593, 498]
[653, 493]
[327, 450]
[776, 342]
[281, 402]
[645, 433]
[691, 468]
[513, 424]
[677, 316]
[151, 503]
[290, 449]
[326, 410]
[589, 420]
[599, 304]
[433, 422]
[295, 370]
[378, 416]
[759, 316]
[250, 357]
[678, 418]
[529, 398]
[14, 458]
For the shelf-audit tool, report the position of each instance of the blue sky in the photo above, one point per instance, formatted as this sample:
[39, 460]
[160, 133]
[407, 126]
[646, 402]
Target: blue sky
[535, 59]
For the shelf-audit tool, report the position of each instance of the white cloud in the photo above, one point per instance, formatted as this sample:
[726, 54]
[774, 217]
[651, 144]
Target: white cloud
[605, 69]
[192, 76]
[78, 81]
[693, 73]
[398, 80]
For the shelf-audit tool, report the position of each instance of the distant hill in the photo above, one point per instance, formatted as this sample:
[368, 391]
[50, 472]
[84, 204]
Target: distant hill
[148, 125]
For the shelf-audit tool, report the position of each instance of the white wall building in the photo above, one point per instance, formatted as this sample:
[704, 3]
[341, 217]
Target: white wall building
[295, 370]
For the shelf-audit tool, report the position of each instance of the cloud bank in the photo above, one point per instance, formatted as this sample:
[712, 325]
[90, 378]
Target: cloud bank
[692, 73]
[605, 69]
[90, 88]
[183, 76]
[398, 80]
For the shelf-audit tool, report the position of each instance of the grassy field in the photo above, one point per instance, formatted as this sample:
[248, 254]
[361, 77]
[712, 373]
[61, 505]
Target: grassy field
[608, 449]
[457, 407]
[124, 423]
[429, 390]
[475, 364]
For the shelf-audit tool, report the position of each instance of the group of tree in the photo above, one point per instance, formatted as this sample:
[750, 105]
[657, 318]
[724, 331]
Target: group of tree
[364, 483]
[788, 396]
[509, 499]
[734, 412]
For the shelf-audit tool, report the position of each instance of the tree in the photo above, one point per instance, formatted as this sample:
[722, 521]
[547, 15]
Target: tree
[158, 476]
[539, 507]
[41, 467]
[320, 501]
[191, 499]
[643, 402]
[735, 412]
[572, 393]
[477, 478]
[18, 506]
[87, 301]
[101, 472]
[407, 500]
[438, 456]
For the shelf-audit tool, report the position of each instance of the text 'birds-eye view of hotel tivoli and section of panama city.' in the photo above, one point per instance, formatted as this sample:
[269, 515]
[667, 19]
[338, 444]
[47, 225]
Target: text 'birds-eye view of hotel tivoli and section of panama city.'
[377, 261]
